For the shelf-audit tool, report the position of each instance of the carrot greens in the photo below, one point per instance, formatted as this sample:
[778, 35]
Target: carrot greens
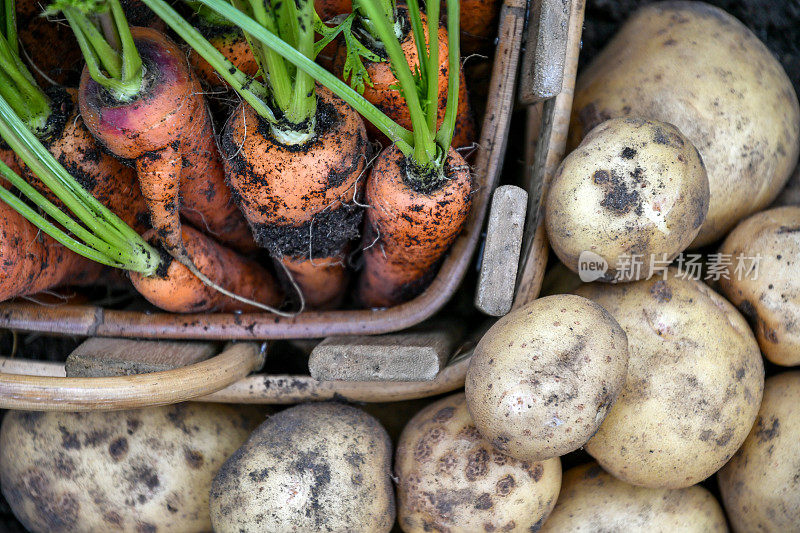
[93, 231]
[106, 43]
[426, 144]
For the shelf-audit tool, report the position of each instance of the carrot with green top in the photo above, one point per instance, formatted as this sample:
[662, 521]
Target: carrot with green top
[419, 189]
[79, 225]
[139, 98]
[372, 74]
[294, 152]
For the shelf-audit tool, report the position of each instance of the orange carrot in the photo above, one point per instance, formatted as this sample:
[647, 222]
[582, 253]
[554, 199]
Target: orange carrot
[101, 174]
[166, 129]
[408, 228]
[384, 94]
[174, 288]
[233, 45]
[298, 199]
[33, 262]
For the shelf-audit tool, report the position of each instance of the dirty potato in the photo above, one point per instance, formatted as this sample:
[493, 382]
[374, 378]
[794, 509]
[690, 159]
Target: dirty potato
[769, 295]
[592, 500]
[633, 187]
[694, 383]
[450, 479]
[697, 67]
[760, 485]
[145, 470]
[313, 467]
[543, 378]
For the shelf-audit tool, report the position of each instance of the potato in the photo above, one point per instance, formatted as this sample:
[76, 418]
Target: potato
[633, 188]
[313, 467]
[143, 470]
[592, 500]
[450, 479]
[694, 383]
[695, 66]
[769, 295]
[760, 485]
[544, 376]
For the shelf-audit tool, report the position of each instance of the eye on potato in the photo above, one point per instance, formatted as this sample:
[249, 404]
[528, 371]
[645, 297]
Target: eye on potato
[312, 467]
[770, 295]
[697, 67]
[760, 485]
[141, 470]
[593, 500]
[693, 388]
[633, 187]
[450, 479]
[543, 377]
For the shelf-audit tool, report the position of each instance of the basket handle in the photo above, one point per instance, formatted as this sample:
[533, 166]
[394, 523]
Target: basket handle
[48, 393]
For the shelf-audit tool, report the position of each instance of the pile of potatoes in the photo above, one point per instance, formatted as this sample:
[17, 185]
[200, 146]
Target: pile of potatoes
[647, 384]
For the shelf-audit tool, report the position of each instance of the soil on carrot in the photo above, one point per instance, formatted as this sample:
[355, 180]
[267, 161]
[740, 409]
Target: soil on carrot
[329, 232]
[61, 108]
[324, 236]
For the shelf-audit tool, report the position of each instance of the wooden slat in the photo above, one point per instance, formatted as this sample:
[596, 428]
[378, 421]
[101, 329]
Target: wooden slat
[416, 355]
[500, 259]
[106, 357]
[545, 50]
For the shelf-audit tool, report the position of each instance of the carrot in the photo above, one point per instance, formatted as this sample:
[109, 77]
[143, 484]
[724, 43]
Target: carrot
[299, 201]
[34, 262]
[53, 118]
[421, 159]
[408, 228]
[233, 45]
[101, 174]
[176, 289]
[163, 121]
[419, 200]
[382, 87]
[294, 154]
[227, 39]
[103, 237]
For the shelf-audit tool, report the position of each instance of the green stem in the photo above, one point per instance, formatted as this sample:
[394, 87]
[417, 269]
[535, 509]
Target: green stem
[98, 227]
[18, 86]
[102, 252]
[207, 16]
[111, 55]
[131, 60]
[250, 90]
[10, 29]
[304, 96]
[432, 67]
[396, 133]
[389, 11]
[444, 137]
[424, 147]
[271, 63]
